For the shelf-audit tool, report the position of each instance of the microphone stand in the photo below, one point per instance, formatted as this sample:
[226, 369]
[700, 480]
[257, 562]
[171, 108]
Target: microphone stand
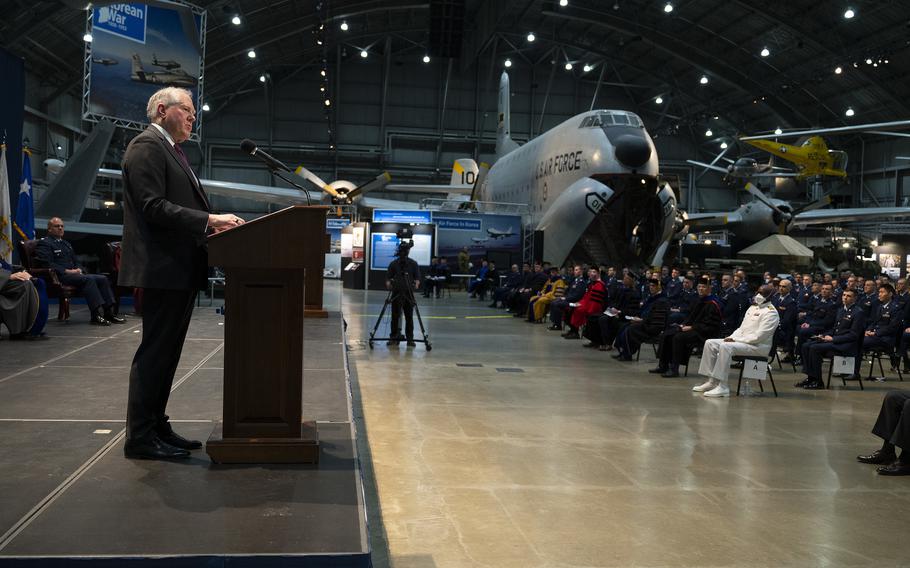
[275, 173]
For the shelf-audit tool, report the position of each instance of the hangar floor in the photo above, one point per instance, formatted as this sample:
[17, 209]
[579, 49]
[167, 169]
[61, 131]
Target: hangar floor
[549, 454]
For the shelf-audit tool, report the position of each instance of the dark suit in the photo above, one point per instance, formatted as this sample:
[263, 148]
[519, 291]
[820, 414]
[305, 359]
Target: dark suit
[846, 335]
[893, 424]
[165, 219]
[58, 255]
[675, 344]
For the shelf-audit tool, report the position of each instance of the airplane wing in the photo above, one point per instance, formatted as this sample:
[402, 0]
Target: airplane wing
[825, 216]
[268, 194]
[707, 166]
[709, 221]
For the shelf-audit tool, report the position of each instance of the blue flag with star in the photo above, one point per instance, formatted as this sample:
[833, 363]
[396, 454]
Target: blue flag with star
[25, 207]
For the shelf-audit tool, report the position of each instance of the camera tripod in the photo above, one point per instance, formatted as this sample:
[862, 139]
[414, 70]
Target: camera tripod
[403, 292]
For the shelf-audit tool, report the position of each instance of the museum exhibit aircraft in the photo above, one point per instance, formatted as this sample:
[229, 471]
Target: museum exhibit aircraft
[499, 234]
[591, 183]
[173, 77]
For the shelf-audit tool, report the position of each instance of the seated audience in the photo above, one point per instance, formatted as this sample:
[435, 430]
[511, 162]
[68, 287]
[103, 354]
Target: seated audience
[892, 426]
[477, 284]
[842, 338]
[681, 304]
[56, 253]
[511, 283]
[679, 339]
[578, 284]
[754, 337]
[733, 305]
[883, 327]
[602, 328]
[591, 303]
[554, 289]
[533, 284]
[820, 314]
[650, 323]
[785, 303]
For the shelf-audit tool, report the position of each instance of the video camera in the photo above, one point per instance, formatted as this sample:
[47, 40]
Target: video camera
[405, 241]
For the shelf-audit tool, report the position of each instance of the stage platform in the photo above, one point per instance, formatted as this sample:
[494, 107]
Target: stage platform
[69, 497]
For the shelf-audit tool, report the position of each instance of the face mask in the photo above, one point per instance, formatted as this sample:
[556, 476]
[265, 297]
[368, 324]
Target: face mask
[759, 299]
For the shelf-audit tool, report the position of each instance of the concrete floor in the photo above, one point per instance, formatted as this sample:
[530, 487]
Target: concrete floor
[578, 460]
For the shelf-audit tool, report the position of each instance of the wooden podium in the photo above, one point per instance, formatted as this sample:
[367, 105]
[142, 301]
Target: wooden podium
[273, 276]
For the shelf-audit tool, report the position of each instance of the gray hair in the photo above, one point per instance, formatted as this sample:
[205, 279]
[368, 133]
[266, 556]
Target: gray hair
[167, 96]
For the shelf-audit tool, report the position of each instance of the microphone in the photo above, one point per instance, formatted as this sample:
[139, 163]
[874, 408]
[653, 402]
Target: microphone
[250, 148]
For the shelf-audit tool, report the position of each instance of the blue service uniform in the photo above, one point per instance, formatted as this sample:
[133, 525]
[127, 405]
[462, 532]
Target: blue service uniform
[58, 254]
[574, 293]
[681, 306]
[848, 328]
[885, 322]
[820, 316]
[786, 328]
[867, 302]
[732, 310]
[672, 289]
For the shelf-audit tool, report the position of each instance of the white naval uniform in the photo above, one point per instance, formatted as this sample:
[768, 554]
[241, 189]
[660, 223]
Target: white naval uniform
[753, 337]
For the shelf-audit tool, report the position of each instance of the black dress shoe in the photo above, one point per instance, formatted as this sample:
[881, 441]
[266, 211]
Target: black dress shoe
[114, 319]
[669, 374]
[411, 343]
[554, 327]
[178, 441]
[572, 335]
[897, 468]
[878, 457]
[814, 385]
[98, 320]
[153, 449]
[658, 370]
[621, 357]
[802, 383]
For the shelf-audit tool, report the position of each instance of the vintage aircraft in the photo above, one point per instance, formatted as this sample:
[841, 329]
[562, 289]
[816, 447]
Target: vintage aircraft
[497, 234]
[592, 186]
[175, 77]
[104, 61]
[166, 64]
[746, 168]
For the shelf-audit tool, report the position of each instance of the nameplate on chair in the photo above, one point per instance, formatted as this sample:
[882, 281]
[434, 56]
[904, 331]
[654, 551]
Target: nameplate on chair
[841, 365]
[755, 369]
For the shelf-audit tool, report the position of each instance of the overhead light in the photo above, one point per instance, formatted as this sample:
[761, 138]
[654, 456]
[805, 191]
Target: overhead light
[709, 132]
[716, 117]
[235, 20]
[568, 66]
[322, 72]
[707, 241]
[868, 61]
[846, 245]
[508, 63]
[838, 70]
[703, 80]
[668, 7]
[363, 53]
[87, 38]
[563, 3]
[723, 145]
[874, 243]
[344, 26]
[59, 147]
[322, 88]
[251, 54]
[328, 102]
[426, 58]
[778, 131]
[849, 13]
[659, 100]
[206, 107]
[262, 78]
[586, 68]
[531, 36]
[849, 111]
[765, 52]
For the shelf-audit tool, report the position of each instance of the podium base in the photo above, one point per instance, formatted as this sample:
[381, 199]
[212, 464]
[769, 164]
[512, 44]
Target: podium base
[265, 450]
[310, 311]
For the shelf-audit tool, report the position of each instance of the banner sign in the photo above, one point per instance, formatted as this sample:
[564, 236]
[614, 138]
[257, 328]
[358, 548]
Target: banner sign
[395, 216]
[457, 224]
[124, 20]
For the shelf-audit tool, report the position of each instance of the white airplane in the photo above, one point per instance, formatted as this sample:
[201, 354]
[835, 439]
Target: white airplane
[592, 185]
[497, 234]
[479, 240]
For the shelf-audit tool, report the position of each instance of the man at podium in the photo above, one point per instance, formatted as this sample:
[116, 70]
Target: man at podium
[165, 221]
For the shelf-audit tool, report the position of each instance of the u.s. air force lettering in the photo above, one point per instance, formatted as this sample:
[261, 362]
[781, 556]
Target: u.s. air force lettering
[570, 161]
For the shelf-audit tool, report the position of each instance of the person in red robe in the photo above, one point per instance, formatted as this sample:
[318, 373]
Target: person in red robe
[591, 303]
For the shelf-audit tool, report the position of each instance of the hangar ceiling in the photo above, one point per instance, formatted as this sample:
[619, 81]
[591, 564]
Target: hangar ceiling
[634, 44]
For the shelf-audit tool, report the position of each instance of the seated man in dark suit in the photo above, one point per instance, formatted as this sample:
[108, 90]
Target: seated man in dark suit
[892, 426]
[55, 253]
[883, 326]
[650, 323]
[678, 340]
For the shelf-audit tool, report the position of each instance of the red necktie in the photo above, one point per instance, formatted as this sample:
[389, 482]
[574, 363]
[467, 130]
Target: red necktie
[182, 156]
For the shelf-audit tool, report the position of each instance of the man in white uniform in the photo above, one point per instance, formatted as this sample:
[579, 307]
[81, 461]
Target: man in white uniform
[753, 337]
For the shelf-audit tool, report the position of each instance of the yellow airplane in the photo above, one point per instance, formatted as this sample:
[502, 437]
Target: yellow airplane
[812, 158]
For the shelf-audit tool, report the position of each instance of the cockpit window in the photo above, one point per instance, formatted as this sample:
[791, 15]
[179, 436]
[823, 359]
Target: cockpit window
[611, 118]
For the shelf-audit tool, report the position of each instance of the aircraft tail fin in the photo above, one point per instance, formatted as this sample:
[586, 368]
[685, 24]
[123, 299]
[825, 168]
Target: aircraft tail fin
[137, 71]
[504, 142]
[464, 171]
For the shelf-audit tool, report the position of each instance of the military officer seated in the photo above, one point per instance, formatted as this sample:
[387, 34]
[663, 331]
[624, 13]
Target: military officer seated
[842, 338]
[820, 315]
[55, 253]
[882, 327]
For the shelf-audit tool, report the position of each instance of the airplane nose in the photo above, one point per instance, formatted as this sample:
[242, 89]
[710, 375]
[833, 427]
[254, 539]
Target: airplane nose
[632, 151]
